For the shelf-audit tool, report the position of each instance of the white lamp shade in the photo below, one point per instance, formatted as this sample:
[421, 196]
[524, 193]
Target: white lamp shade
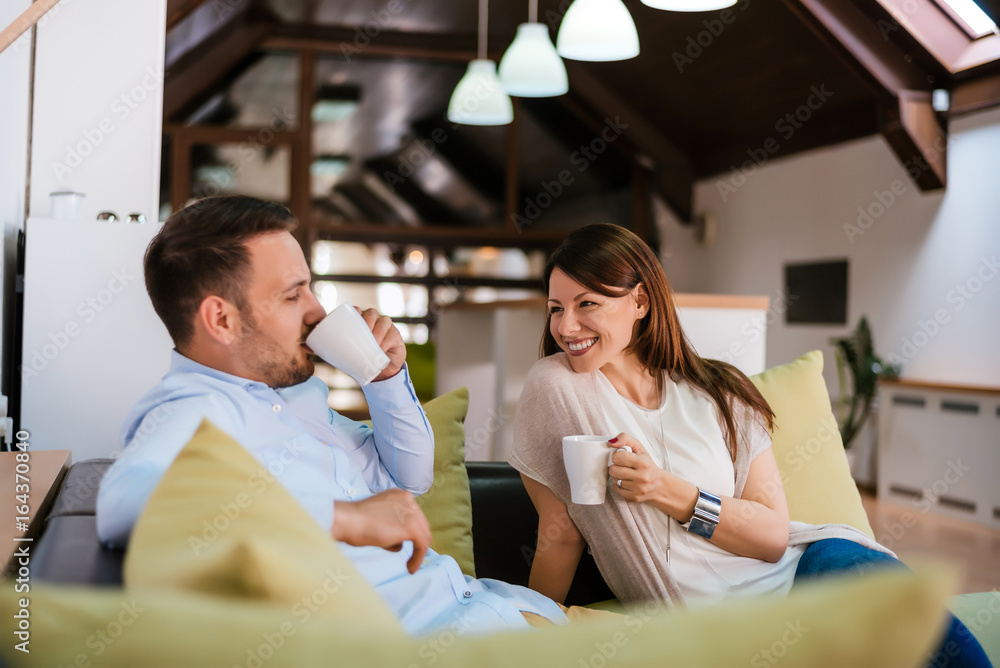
[597, 30]
[689, 5]
[479, 99]
[531, 67]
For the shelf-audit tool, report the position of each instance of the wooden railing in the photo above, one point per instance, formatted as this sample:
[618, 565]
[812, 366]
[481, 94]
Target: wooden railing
[22, 23]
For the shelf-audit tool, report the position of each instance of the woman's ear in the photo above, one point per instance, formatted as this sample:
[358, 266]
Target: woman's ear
[641, 299]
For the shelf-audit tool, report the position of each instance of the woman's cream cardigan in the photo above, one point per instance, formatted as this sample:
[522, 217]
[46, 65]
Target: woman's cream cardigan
[556, 402]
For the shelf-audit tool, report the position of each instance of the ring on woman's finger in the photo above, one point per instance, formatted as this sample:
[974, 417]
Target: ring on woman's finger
[619, 483]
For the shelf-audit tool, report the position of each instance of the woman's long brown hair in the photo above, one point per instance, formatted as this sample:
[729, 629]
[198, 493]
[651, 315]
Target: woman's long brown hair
[611, 261]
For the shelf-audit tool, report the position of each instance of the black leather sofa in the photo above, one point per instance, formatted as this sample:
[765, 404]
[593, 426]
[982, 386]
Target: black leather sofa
[504, 528]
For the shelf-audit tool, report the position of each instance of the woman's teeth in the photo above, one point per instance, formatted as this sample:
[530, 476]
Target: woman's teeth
[582, 345]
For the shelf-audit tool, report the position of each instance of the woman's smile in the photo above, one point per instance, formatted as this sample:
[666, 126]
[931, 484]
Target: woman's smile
[580, 346]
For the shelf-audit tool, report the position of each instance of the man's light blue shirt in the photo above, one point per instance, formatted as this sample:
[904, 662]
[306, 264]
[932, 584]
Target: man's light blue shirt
[320, 457]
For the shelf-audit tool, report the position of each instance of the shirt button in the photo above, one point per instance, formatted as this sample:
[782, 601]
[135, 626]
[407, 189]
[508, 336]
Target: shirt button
[276, 408]
[467, 594]
[350, 491]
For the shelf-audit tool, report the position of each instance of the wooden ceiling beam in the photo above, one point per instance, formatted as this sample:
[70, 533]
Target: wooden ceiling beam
[356, 43]
[907, 119]
[915, 134]
[674, 176]
[178, 10]
[200, 70]
[860, 44]
[980, 93]
[439, 236]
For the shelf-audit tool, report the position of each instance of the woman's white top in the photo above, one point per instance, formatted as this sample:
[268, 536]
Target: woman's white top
[683, 436]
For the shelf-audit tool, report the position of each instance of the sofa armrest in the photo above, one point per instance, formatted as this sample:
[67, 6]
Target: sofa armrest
[68, 550]
[78, 493]
[70, 553]
[505, 532]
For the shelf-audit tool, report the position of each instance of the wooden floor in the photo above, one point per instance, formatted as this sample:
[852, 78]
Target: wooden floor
[913, 534]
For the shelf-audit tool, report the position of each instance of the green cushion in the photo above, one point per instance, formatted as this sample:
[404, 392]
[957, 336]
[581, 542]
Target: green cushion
[421, 362]
[888, 619]
[981, 614]
[807, 445]
[448, 503]
[218, 523]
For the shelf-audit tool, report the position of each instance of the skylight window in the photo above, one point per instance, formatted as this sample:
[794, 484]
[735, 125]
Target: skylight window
[968, 12]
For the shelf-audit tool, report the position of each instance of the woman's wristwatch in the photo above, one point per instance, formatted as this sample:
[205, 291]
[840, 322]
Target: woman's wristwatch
[706, 515]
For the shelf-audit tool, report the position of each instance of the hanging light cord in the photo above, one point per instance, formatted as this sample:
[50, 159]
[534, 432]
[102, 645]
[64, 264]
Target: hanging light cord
[533, 11]
[484, 21]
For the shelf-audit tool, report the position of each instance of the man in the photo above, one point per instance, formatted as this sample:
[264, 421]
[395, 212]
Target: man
[232, 287]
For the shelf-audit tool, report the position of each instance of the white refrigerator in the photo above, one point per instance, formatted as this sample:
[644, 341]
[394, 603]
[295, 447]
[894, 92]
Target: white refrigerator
[91, 341]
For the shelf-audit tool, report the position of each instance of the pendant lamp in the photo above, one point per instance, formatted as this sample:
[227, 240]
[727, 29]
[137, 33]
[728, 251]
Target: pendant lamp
[598, 31]
[531, 67]
[689, 5]
[479, 98]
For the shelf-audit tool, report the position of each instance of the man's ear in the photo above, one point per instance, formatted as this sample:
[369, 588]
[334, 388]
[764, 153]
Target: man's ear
[219, 319]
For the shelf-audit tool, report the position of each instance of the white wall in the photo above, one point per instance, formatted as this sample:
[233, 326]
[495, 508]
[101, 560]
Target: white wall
[98, 104]
[15, 69]
[905, 262]
[96, 119]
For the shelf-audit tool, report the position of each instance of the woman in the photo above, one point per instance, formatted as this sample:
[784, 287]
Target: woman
[615, 361]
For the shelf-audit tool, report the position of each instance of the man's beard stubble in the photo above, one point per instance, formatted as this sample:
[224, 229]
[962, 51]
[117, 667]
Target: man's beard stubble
[269, 361]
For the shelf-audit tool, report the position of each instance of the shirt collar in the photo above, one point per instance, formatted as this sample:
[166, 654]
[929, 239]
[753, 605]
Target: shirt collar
[182, 364]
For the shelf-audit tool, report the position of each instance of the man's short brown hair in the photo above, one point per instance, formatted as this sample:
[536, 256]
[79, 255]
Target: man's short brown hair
[201, 251]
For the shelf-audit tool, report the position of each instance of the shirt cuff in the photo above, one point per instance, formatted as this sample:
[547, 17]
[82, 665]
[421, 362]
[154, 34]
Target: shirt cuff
[392, 393]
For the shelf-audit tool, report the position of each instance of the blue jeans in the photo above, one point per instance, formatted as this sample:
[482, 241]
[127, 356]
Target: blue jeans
[958, 649]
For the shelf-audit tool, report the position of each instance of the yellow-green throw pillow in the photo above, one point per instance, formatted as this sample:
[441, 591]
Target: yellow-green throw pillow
[806, 442]
[886, 620]
[219, 523]
[448, 503]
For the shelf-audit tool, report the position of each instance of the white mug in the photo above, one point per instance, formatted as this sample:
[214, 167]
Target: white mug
[587, 459]
[345, 340]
